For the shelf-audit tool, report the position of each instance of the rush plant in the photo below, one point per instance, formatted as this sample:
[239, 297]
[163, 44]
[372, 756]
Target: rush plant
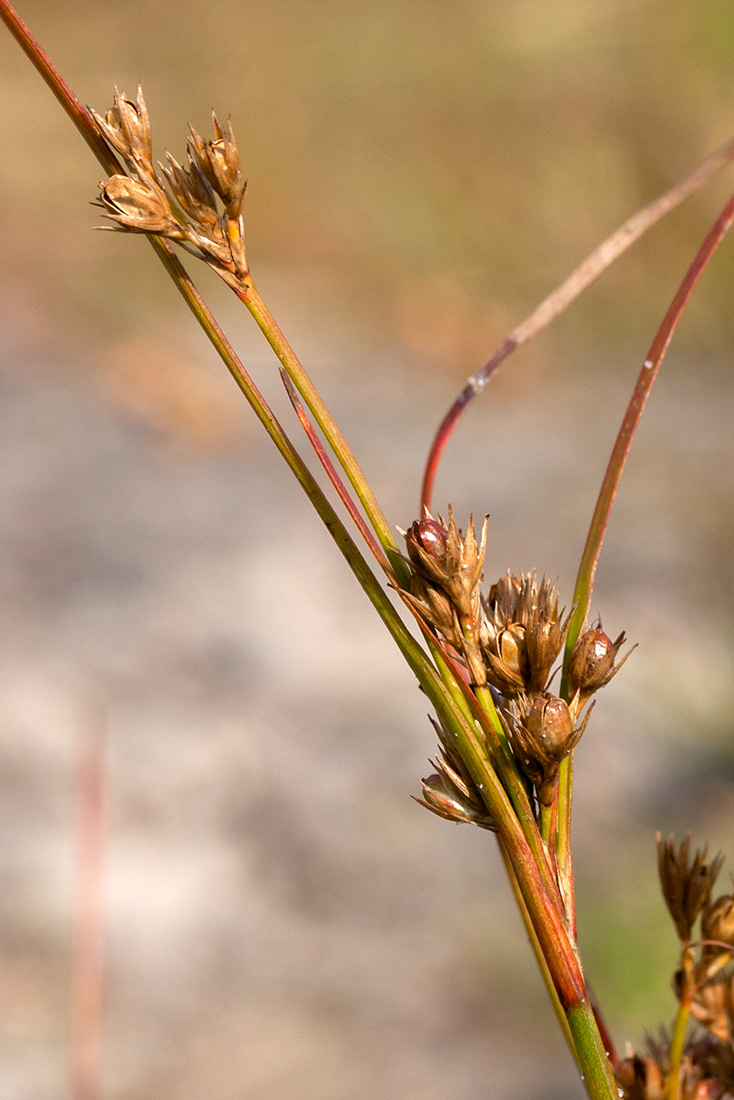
[487, 657]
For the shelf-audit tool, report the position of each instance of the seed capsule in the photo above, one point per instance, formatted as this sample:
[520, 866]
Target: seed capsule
[592, 662]
[428, 536]
[717, 922]
[549, 722]
[542, 738]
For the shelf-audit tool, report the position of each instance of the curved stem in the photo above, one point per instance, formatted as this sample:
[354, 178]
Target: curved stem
[646, 377]
[594, 264]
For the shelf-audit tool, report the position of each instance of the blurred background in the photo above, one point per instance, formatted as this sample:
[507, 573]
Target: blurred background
[281, 919]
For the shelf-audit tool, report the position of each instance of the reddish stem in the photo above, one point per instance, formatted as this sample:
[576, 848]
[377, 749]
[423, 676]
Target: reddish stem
[344, 494]
[594, 264]
[88, 960]
[646, 377]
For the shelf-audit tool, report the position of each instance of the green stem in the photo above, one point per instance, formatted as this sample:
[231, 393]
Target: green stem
[546, 824]
[447, 676]
[564, 856]
[596, 1070]
[515, 786]
[539, 957]
[677, 1045]
[248, 294]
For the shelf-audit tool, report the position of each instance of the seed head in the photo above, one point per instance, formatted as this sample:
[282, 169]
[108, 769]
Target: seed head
[139, 205]
[126, 127]
[717, 921]
[442, 797]
[542, 734]
[713, 1006]
[193, 193]
[435, 606]
[530, 611]
[451, 792]
[442, 554]
[506, 658]
[219, 161]
[686, 884]
[428, 538]
[592, 663]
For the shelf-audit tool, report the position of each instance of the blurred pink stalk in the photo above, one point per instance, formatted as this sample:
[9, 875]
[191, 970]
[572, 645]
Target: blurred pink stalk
[87, 959]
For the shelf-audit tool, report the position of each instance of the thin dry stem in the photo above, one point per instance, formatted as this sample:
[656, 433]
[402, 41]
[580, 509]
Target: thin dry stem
[594, 264]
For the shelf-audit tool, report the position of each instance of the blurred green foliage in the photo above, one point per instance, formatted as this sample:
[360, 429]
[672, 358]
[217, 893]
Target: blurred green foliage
[472, 152]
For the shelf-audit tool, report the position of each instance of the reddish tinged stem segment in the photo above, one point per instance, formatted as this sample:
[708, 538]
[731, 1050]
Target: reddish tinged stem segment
[88, 962]
[344, 494]
[594, 264]
[646, 377]
[249, 295]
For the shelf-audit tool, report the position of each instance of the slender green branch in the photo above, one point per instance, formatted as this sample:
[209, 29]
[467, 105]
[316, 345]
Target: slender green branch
[514, 784]
[349, 503]
[564, 852]
[596, 1070]
[677, 1047]
[248, 294]
[600, 519]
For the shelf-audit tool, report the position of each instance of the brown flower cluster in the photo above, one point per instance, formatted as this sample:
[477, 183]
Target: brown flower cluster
[706, 1071]
[704, 983]
[509, 642]
[199, 206]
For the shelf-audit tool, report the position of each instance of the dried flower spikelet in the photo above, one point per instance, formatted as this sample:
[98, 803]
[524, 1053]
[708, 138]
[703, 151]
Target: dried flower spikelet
[452, 793]
[717, 926]
[717, 922]
[537, 631]
[446, 561]
[712, 1005]
[502, 598]
[427, 543]
[435, 606]
[139, 205]
[219, 161]
[126, 128]
[506, 659]
[686, 885]
[592, 663]
[640, 1079]
[502, 637]
[442, 797]
[441, 553]
[546, 629]
[542, 734]
[193, 193]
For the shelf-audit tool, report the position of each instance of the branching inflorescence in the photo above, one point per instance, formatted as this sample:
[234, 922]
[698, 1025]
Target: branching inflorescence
[488, 661]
